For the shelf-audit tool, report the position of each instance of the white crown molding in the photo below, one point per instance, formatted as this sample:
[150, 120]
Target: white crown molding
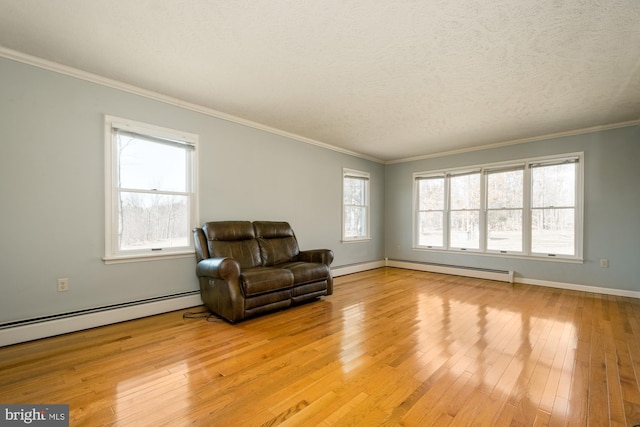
[519, 141]
[125, 87]
[94, 78]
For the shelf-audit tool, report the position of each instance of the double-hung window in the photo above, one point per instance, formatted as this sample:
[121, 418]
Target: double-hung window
[355, 205]
[505, 208]
[431, 218]
[464, 210]
[553, 207]
[529, 207]
[150, 183]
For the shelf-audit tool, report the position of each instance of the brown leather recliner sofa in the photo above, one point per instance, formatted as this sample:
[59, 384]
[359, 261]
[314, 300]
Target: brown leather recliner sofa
[246, 268]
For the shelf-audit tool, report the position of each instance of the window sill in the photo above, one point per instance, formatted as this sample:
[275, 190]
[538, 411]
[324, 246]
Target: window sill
[556, 258]
[356, 240]
[140, 257]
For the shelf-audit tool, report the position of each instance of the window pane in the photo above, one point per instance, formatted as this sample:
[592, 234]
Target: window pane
[465, 191]
[147, 165]
[431, 194]
[355, 221]
[553, 186]
[504, 189]
[153, 221]
[355, 191]
[431, 229]
[552, 231]
[465, 229]
[504, 229]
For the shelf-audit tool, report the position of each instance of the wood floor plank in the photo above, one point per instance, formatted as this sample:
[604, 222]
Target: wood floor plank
[391, 347]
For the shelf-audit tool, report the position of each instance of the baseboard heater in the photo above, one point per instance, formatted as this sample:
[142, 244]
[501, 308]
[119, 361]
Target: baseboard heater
[457, 270]
[57, 324]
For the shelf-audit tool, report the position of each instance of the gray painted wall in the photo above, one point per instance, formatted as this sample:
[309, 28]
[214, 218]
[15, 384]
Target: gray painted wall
[611, 210]
[52, 192]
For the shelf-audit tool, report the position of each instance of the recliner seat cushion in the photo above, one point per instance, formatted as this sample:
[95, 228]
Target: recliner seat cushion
[306, 272]
[260, 280]
[269, 301]
[309, 290]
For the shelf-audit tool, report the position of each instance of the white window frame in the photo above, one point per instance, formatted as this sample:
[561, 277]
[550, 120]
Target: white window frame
[526, 164]
[450, 210]
[515, 166]
[366, 177]
[112, 252]
[443, 212]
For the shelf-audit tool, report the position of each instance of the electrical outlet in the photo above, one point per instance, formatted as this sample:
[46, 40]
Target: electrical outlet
[604, 263]
[63, 284]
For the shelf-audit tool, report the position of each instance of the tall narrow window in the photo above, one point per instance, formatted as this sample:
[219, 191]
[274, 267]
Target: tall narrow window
[150, 182]
[355, 205]
[553, 208]
[464, 217]
[431, 211]
[505, 203]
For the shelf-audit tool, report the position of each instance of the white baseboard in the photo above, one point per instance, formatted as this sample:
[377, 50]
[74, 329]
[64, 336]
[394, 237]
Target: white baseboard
[357, 268]
[523, 280]
[582, 288]
[49, 328]
[502, 276]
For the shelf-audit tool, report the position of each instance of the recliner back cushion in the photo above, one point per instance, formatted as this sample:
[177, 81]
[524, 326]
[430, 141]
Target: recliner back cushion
[233, 239]
[277, 241]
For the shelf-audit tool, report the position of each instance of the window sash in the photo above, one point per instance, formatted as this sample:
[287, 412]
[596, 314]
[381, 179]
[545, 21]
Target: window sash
[458, 183]
[185, 145]
[562, 194]
[556, 236]
[360, 186]
[464, 229]
[508, 238]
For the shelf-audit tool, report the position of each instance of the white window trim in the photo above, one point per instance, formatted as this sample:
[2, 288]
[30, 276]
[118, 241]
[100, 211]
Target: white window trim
[526, 253]
[416, 210]
[449, 210]
[112, 255]
[526, 191]
[364, 175]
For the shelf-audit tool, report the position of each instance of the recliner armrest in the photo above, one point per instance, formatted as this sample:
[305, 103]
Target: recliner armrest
[218, 268]
[322, 256]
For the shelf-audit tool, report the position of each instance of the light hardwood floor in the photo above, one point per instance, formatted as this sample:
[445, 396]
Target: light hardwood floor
[390, 347]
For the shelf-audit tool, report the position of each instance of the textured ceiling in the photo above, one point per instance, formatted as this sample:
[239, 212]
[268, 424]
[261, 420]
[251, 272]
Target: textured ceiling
[386, 79]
